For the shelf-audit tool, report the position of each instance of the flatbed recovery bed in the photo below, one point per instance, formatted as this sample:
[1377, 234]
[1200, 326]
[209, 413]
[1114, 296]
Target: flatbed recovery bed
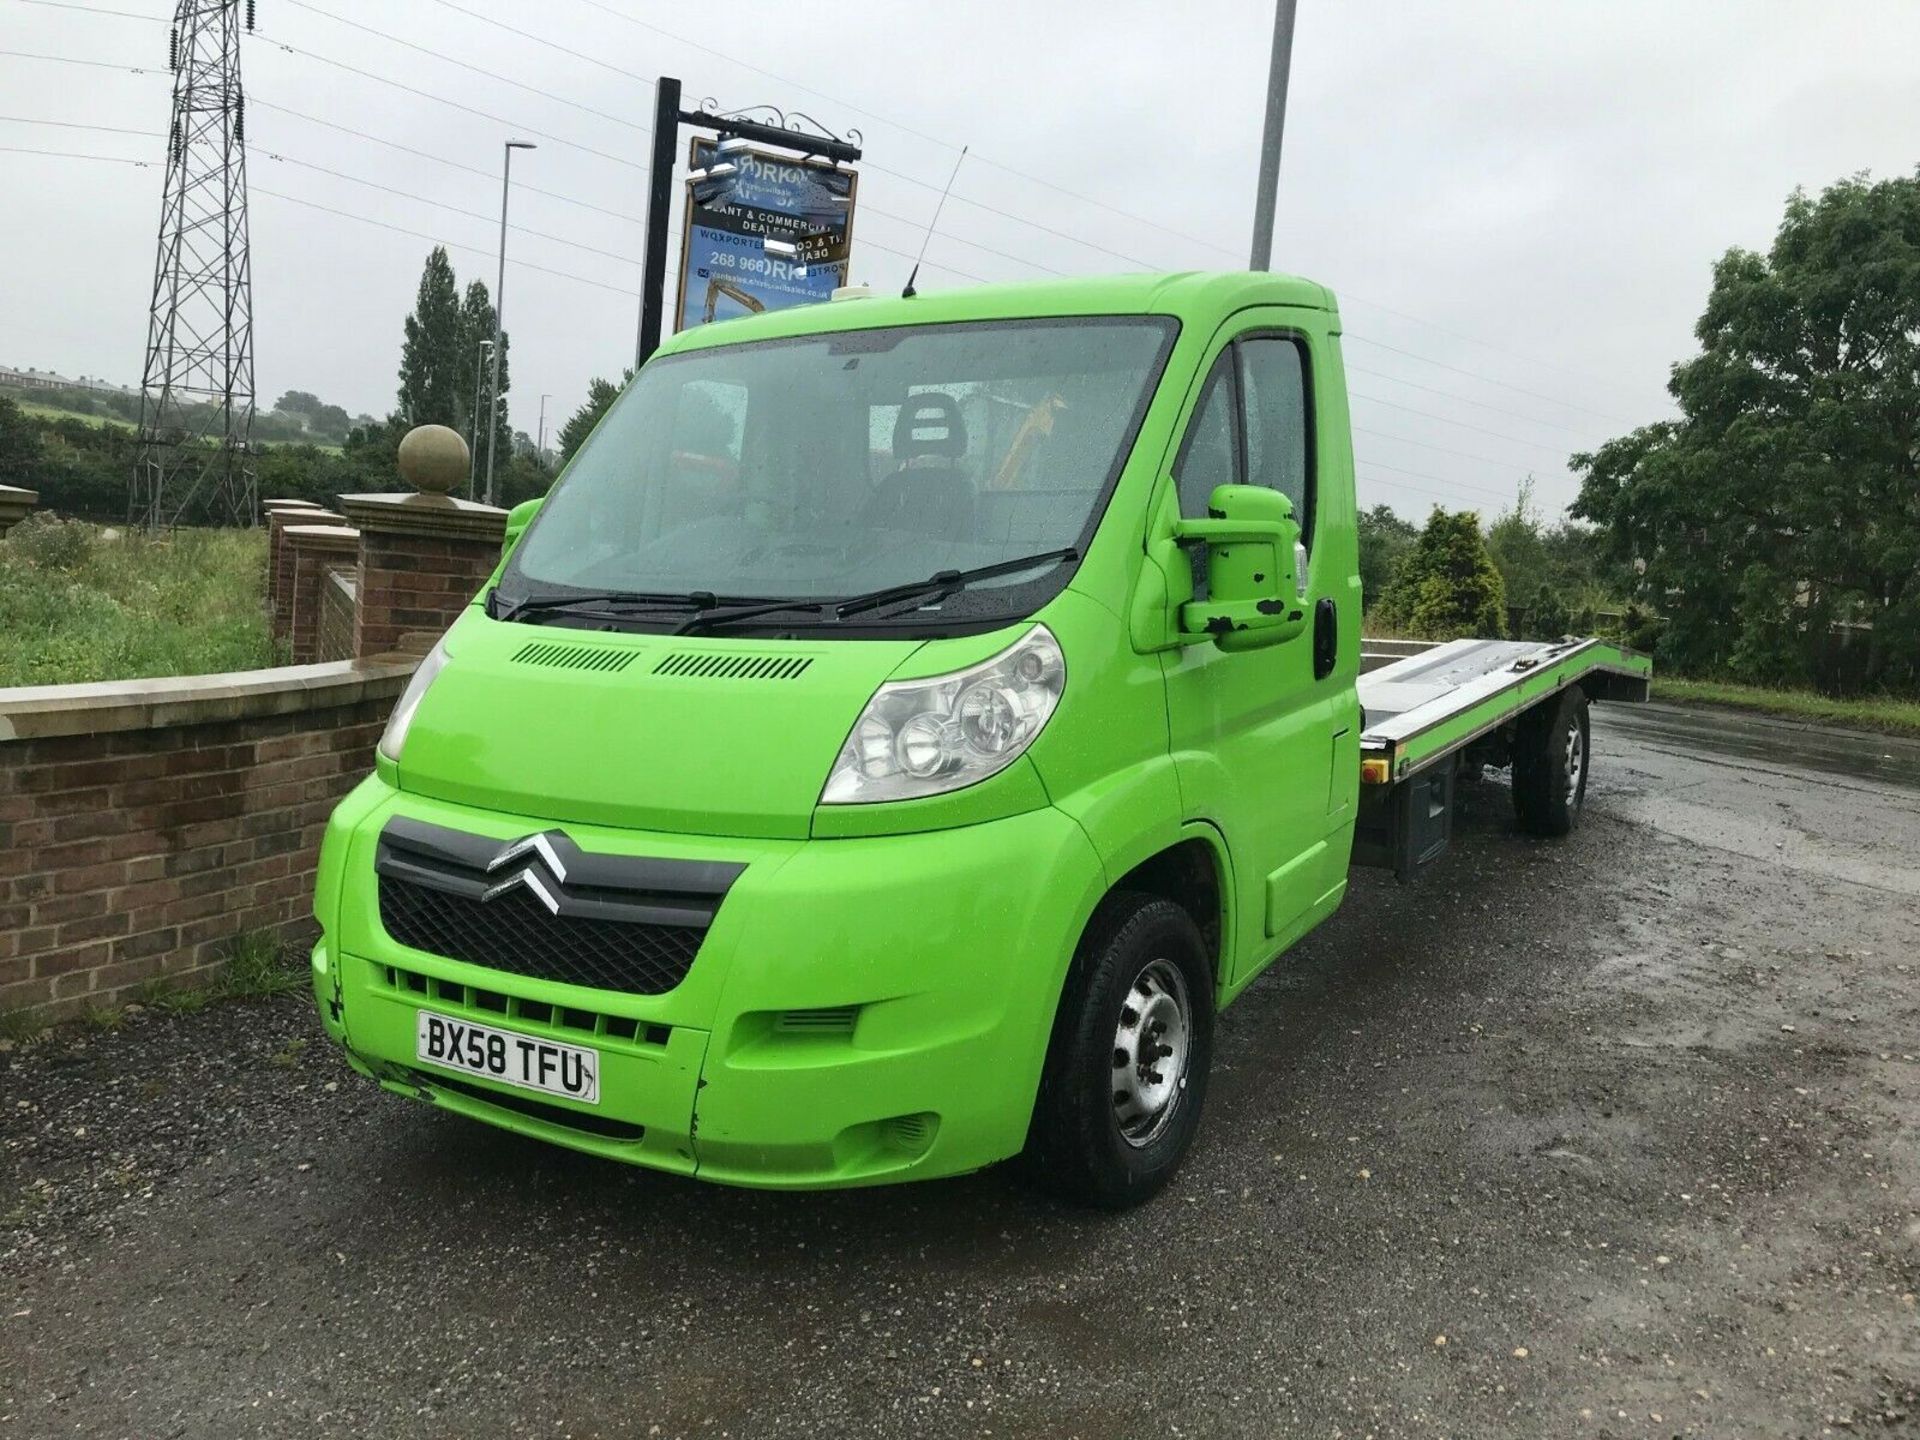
[1462, 704]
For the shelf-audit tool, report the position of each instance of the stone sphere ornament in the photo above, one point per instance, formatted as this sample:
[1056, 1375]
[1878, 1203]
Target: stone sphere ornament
[434, 459]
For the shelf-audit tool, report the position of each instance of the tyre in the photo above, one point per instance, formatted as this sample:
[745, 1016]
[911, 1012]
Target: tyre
[1126, 1071]
[1550, 755]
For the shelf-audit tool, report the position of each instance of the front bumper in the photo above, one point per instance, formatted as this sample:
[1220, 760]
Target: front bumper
[861, 1010]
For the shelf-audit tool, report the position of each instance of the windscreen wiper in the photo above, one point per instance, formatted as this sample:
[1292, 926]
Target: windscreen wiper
[944, 582]
[712, 613]
[582, 600]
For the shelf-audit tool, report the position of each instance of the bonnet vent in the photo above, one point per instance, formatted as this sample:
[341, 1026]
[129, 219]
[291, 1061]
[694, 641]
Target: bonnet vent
[692, 666]
[573, 657]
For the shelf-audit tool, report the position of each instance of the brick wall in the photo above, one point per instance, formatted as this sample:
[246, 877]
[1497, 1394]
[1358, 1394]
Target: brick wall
[410, 583]
[336, 615]
[145, 824]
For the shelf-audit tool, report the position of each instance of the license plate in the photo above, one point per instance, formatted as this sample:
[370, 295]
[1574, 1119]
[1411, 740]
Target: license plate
[524, 1061]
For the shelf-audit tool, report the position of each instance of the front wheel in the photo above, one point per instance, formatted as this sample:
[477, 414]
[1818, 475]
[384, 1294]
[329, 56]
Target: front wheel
[1127, 1068]
[1550, 753]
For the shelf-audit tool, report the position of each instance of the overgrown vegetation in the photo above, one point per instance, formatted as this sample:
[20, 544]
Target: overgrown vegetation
[81, 602]
[256, 965]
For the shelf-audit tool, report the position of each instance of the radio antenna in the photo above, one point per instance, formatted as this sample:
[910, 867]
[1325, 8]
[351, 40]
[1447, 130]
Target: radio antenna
[927, 239]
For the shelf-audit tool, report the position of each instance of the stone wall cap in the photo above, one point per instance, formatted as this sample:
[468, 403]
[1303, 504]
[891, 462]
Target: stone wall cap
[291, 502]
[17, 494]
[419, 514]
[322, 537]
[34, 712]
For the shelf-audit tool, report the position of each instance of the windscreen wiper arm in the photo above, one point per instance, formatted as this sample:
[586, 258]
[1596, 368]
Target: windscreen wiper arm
[944, 582]
[587, 600]
[711, 613]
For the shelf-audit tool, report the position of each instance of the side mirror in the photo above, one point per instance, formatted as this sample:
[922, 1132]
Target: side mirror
[1253, 545]
[517, 520]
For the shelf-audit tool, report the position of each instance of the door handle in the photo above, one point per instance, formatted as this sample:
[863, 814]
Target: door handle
[1326, 638]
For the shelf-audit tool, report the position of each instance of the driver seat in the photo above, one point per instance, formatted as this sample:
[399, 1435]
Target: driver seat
[929, 492]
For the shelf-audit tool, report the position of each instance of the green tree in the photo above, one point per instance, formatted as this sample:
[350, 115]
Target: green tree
[1384, 538]
[297, 402]
[600, 395]
[1446, 586]
[1786, 497]
[20, 451]
[330, 421]
[430, 360]
[476, 325]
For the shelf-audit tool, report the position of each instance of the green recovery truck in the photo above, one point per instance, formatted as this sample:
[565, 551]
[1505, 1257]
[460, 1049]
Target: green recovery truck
[902, 729]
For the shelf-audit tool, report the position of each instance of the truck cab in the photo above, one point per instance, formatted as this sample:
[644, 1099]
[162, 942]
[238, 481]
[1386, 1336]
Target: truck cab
[905, 725]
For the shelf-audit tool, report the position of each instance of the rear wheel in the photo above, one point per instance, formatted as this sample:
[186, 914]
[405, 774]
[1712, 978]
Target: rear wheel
[1550, 754]
[1127, 1068]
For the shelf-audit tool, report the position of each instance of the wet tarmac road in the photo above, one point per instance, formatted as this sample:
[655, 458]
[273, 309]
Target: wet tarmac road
[1609, 1137]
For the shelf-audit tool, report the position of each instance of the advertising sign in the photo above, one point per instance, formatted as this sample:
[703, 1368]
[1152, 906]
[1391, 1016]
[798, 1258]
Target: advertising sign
[725, 265]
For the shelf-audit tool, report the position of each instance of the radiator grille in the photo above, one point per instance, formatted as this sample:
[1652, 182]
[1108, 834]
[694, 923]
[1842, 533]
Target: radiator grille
[515, 933]
[520, 1010]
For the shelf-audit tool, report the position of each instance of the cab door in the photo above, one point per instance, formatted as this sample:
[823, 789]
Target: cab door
[1256, 733]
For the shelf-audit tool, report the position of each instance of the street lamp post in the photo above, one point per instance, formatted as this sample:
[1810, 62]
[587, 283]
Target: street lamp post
[1267, 189]
[473, 447]
[500, 299]
[540, 443]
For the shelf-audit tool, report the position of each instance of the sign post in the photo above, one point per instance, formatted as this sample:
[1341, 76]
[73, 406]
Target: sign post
[776, 232]
[769, 215]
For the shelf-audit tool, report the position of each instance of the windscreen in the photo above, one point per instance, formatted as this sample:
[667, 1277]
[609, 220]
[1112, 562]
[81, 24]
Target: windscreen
[834, 465]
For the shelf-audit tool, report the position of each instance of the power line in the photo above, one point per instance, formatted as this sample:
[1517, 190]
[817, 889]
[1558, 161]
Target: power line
[1439, 479]
[1424, 445]
[80, 125]
[1445, 420]
[1464, 400]
[76, 60]
[453, 104]
[1056, 188]
[92, 9]
[1365, 479]
[449, 244]
[1488, 379]
[645, 80]
[644, 129]
[438, 204]
[440, 159]
[75, 155]
[1475, 340]
[464, 65]
[871, 165]
[902, 126]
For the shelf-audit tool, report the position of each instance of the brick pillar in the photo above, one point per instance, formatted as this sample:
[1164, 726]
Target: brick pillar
[317, 550]
[422, 558]
[14, 505]
[280, 561]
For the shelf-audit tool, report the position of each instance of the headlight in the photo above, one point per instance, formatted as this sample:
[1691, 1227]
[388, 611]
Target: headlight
[410, 698]
[926, 737]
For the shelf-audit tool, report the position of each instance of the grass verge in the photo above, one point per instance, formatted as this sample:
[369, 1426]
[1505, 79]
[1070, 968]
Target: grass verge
[84, 602]
[1882, 714]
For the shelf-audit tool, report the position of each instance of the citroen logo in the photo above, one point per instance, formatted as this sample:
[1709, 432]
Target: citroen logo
[540, 864]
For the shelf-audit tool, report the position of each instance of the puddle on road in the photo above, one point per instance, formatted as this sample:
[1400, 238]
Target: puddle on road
[1886, 759]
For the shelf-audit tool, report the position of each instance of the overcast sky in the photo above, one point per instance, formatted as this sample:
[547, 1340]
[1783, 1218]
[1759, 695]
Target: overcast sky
[1518, 203]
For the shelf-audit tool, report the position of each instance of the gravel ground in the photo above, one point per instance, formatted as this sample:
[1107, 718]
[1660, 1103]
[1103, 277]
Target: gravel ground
[1609, 1137]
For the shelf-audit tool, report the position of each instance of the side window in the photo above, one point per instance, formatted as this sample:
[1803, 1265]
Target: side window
[1209, 456]
[1273, 377]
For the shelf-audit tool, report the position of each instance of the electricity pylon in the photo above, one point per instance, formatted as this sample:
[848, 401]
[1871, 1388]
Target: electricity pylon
[196, 389]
